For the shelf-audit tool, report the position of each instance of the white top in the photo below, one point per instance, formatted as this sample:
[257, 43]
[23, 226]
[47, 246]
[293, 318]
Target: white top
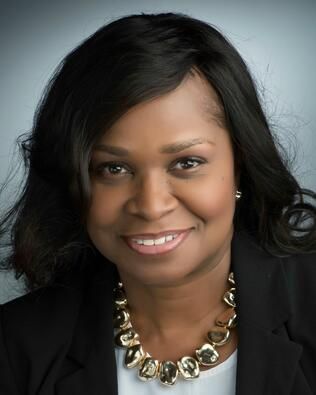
[219, 380]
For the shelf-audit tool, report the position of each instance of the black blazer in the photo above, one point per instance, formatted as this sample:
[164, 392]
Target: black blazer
[59, 340]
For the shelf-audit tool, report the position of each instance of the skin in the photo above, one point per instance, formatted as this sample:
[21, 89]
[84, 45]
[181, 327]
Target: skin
[176, 295]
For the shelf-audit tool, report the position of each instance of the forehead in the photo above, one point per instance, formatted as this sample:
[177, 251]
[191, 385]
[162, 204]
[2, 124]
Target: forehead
[192, 110]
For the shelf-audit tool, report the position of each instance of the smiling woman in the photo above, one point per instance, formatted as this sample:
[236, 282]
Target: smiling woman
[159, 230]
[177, 174]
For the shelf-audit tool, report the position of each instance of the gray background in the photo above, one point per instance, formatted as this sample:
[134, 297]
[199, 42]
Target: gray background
[276, 38]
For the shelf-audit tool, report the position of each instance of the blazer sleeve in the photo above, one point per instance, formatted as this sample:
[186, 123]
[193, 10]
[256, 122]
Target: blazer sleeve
[7, 381]
[301, 277]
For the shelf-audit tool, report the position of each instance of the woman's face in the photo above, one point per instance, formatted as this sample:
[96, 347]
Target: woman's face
[167, 164]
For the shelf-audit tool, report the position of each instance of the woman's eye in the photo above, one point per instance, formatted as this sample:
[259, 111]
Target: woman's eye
[110, 168]
[189, 163]
[116, 169]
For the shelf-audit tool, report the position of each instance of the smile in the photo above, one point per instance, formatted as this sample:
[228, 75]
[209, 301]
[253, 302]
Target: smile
[157, 246]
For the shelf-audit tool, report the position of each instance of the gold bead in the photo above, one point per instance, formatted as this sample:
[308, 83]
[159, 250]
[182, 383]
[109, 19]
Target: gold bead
[134, 356]
[189, 368]
[229, 297]
[207, 355]
[168, 372]
[231, 278]
[227, 319]
[149, 369]
[218, 336]
[121, 318]
[120, 298]
[126, 337]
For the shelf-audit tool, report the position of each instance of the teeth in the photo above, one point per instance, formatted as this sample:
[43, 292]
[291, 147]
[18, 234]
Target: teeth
[148, 242]
[160, 241]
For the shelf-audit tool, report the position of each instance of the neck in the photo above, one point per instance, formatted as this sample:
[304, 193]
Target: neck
[167, 311]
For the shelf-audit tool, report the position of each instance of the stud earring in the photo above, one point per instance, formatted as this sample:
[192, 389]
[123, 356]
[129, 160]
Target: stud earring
[238, 195]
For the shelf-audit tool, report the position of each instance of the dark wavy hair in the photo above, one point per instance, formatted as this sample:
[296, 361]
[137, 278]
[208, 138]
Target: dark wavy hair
[126, 62]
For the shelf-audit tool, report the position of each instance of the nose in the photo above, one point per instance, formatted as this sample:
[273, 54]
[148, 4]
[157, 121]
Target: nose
[152, 198]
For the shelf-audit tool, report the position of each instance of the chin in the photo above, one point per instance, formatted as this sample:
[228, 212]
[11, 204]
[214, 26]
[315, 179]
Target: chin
[162, 276]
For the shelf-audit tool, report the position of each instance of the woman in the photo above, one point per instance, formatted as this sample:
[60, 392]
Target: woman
[155, 192]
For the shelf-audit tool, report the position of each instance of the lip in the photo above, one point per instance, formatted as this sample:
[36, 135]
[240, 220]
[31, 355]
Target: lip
[156, 235]
[158, 249]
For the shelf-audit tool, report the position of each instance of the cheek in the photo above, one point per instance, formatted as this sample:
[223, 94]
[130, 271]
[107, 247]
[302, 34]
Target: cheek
[214, 197]
[103, 216]
[104, 209]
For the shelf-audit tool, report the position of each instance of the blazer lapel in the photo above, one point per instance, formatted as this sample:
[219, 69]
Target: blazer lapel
[267, 359]
[90, 365]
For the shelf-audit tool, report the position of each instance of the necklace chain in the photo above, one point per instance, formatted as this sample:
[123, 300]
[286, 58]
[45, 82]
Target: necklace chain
[187, 367]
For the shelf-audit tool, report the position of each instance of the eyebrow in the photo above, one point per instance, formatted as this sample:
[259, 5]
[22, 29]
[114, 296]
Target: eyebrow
[165, 149]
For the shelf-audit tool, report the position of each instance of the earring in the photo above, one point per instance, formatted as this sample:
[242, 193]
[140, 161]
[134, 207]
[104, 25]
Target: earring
[238, 195]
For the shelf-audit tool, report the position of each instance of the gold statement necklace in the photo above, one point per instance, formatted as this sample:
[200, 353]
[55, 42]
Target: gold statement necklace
[187, 367]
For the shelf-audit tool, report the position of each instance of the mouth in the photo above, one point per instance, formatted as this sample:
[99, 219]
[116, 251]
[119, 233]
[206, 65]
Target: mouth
[159, 246]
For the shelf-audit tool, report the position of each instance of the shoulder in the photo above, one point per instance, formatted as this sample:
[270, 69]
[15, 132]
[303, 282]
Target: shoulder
[27, 322]
[48, 312]
[53, 308]
[46, 301]
[300, 275]
[37, 329]
[44, 309]
[33, 329]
